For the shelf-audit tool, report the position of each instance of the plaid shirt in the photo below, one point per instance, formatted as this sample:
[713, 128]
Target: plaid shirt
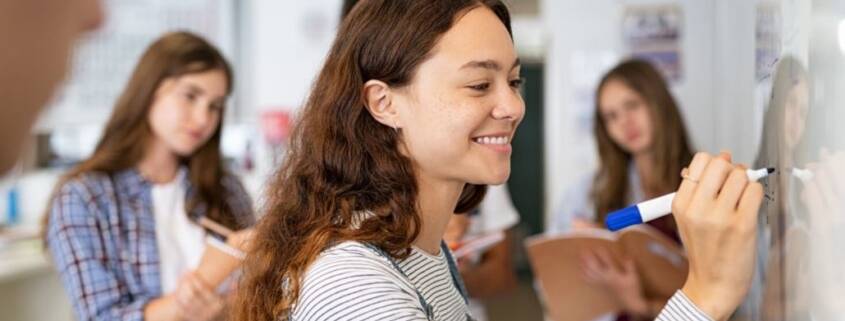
[103, 242]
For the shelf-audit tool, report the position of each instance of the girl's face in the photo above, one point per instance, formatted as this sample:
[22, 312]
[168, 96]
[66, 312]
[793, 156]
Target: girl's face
[626, 117]
[186, 110]
[795, 113]
[459, 113]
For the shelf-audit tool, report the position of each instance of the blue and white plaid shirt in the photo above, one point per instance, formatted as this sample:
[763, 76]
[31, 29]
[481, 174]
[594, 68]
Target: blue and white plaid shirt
[103, 242]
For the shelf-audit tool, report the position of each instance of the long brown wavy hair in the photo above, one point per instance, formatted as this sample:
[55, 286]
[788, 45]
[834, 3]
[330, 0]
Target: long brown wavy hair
[127, 133]
[342, 162]
[671, 147]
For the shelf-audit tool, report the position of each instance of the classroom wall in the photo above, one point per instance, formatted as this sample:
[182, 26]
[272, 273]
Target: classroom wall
[286, 42]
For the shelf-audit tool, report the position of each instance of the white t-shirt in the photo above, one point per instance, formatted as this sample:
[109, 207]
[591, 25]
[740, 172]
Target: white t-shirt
[181, 243]
[351, 281]
[577, 203]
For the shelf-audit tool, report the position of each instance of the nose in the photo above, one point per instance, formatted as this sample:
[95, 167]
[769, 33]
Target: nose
[626, 118]
[509, 105]
[92, 15]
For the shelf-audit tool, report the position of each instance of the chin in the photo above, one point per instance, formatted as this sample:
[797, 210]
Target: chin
[635, 148]
[495, 179]
[184, 151]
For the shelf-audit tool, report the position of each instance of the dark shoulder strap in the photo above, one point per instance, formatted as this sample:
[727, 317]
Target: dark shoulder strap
[457, 281]
[427, 308]
[453, 270]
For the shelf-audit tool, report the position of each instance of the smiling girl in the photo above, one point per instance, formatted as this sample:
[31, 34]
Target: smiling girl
[411, 116]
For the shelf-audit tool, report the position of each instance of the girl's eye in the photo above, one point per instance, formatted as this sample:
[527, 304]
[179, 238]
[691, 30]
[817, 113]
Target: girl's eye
[517, 83]
[480, 87]
[632, 105]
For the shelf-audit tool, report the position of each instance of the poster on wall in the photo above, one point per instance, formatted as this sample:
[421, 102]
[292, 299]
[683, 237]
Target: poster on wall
[653, 33]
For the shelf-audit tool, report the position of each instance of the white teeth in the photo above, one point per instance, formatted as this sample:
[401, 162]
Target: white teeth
[492, 140]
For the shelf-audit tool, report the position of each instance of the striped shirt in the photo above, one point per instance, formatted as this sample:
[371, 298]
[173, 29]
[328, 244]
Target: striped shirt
[351, 281]
[680, 308]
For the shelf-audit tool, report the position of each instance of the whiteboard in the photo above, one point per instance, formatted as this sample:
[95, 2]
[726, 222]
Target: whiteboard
[801, 244]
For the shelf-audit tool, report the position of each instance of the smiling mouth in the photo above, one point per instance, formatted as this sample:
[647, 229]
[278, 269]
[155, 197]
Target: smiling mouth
[492, 140]
[195, 135]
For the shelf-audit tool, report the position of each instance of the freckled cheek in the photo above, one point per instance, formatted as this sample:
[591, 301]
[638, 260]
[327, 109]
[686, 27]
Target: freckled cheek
[461, 126]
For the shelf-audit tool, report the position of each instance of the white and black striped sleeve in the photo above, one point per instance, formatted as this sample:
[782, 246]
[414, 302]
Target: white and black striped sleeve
[356, 287]
[680, 308]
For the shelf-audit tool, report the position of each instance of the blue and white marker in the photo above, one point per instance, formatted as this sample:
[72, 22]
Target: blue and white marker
[658, 207]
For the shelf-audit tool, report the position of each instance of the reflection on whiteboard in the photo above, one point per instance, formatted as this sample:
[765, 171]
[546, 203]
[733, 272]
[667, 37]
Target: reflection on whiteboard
[800, 253]
[780, 231]
[104, 60]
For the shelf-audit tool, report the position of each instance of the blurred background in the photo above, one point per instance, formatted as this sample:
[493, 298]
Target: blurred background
[718, 57]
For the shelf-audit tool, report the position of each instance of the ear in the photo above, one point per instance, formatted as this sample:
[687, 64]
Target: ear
[379, 101]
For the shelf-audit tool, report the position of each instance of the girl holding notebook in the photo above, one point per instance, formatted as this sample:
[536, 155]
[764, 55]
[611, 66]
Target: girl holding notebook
[123, 225]
[642, 145]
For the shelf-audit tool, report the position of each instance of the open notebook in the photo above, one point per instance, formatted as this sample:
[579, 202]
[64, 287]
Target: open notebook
[660, 262]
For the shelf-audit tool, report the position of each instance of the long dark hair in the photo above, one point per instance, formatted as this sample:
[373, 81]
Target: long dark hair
[126, 135]
[671, 147]
[342, 162]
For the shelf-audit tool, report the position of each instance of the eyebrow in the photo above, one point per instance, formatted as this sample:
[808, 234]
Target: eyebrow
[197, 89]
[488, 64]
[194, 88]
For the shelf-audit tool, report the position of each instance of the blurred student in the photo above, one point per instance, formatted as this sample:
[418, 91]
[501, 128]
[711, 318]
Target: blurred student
[122, 227]
[37, 38]
[642, 145]
[490, 272]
